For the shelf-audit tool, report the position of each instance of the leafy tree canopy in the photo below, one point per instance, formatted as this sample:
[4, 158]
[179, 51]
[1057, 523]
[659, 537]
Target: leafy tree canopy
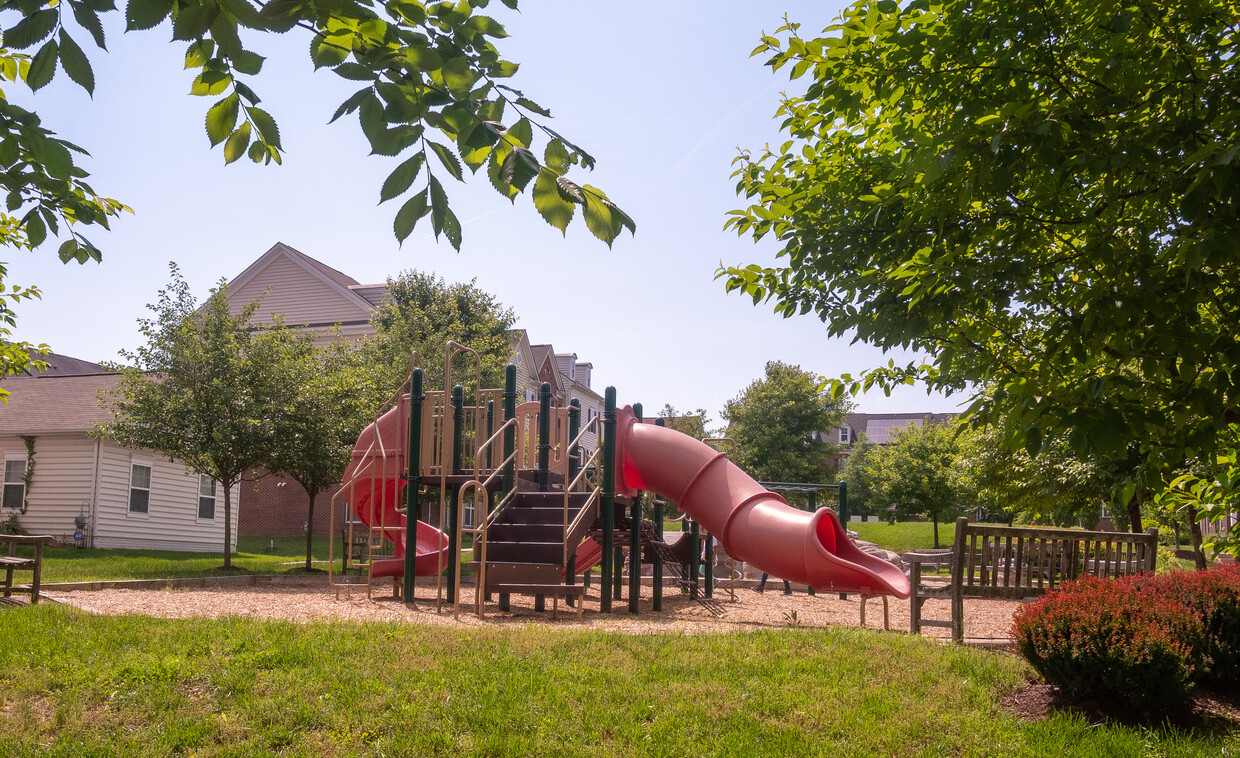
[422, 312]
[206, 389]
[776, 422]
[920, 473]
[695, 424]
[1042, 198]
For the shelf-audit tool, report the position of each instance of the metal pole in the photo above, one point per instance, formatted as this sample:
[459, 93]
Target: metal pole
[608, 504]
[657, 570]
[574, 464]
[695, 549]
[635, 539]
[544, 437]
[414, 470]
[458, 433]
[843, 495]
[509, 478]
[709, 564]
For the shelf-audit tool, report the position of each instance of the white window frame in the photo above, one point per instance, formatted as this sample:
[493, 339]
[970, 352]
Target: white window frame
[214, 497]
[845, 435]
[129, 510]
[20, 483]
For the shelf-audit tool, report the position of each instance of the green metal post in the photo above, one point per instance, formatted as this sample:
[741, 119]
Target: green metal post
[813, 506]
[574, 465]
[657, 571]
[509, 477]
[413, 471]
[618, 576]
[709, 565]
[635, 539]
[458, 428]
[608, 505]
[544, 437]
[695, 549]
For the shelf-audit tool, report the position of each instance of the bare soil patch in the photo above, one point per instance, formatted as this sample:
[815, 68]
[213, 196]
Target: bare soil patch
[1208, 709]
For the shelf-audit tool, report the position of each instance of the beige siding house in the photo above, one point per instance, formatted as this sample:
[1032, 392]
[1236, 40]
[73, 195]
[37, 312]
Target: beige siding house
[129, 498]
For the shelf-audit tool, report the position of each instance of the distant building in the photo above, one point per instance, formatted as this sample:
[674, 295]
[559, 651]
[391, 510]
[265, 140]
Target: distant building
[878, 428]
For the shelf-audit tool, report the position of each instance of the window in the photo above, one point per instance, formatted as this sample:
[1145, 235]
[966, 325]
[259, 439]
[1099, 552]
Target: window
[139, 488]
[845, 436]
[14, 483]
[206, 497]
[469, 512]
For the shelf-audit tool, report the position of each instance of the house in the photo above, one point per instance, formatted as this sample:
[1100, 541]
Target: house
[878, 428]
[309, 294]
[54, 472]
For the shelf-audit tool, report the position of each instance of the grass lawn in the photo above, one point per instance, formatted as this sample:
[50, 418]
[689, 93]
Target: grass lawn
[254, 554]
[75, 685]
[903, 536]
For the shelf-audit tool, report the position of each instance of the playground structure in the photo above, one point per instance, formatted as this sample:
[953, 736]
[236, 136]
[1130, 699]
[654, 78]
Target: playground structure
[540, 512]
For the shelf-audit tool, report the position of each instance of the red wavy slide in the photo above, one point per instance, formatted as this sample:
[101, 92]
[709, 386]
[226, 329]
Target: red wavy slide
[376, 490]
[753, 524]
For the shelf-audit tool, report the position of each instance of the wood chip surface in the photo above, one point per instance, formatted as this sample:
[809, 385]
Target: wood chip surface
[315, 600]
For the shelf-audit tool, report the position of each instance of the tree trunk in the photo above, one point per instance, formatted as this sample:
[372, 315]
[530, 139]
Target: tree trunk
[227, 525]
[313, 492]
[1194, 530]
[935, 518]
[1134, 515]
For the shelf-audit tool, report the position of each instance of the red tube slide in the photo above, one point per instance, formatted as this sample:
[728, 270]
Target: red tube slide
[753, 524]
[375, 491]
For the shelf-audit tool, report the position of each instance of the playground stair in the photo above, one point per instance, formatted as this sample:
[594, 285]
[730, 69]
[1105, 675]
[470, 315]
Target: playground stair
[673, 565]
[526, 546]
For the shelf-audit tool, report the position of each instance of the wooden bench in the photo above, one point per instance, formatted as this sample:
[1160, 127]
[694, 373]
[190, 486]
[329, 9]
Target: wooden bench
[991, 561]
[10, 562]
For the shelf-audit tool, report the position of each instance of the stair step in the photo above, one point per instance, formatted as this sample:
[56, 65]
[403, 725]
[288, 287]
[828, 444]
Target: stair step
[505, 532]
[541, 589]
[552, 499]
[526, 552]
[512, 572]
[524, 514]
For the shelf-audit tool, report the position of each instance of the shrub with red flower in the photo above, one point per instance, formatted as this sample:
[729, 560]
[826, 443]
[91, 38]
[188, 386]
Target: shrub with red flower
[1145, 640]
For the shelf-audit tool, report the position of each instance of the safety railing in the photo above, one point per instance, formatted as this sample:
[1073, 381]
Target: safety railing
[482, 499]
[595, 491]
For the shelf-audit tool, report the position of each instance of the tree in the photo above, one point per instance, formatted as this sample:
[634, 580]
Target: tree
[431, 84]
[695, 424]
[422, 312]
[776, 422]
[206, 389]
[855, 471]
[337, 395]
[1042, 199]
[918, 472]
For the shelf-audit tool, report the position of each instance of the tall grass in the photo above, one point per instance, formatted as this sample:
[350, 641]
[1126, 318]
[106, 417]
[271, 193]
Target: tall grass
[75, 685]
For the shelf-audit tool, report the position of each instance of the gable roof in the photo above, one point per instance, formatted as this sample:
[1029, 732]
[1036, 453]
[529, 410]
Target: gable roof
[342, 286]
[43, 404]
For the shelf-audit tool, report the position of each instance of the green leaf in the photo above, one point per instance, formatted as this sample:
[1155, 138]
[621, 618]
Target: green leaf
[248, 63]
[551, 205]
[519, 168]
[521, 133]
[75, 63]
[352, 104]
[31, 30]
[198, 53]
[257, 152]
[210, 83]
[598, 215]
[193, 21]
[486, 26]
[36, 231]
[325, 53]
[235, 147]
[556, 157]
[43, 66]
[146, 14]
[221, 118]
[356, 72]
[449, 160]
[407, 217]
[281, 15]
[457, 75]
[244, 13]
[89, 20]
[394, 141]
[402, 178]
[267, 130]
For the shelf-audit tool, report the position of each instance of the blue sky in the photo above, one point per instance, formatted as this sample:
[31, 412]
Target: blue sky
[662, 94]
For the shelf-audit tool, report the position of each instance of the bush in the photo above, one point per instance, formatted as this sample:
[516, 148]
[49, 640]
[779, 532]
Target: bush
[12, 525]
[1144, 639]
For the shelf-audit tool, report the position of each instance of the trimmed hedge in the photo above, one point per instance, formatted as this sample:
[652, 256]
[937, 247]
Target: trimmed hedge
[1146, 639]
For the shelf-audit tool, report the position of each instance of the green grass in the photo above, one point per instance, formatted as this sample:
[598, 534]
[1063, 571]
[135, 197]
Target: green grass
[903, 536]
[253, 554]
[78, 685]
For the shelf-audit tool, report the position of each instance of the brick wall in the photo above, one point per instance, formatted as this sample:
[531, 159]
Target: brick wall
[275, 506]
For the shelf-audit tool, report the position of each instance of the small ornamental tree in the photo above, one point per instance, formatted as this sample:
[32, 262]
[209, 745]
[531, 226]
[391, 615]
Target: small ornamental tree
[919, 472]
[206, 389]
[337, 395]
